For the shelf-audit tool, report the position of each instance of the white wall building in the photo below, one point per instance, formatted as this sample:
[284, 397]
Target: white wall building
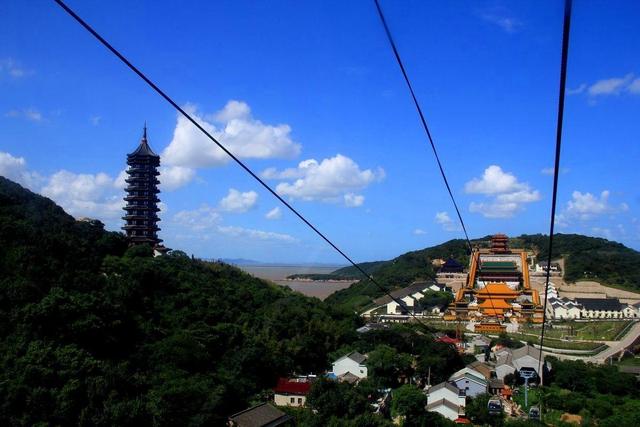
[447, 400]
[353, 363]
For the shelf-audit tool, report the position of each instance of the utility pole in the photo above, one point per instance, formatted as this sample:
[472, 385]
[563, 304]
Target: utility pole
[526, 375]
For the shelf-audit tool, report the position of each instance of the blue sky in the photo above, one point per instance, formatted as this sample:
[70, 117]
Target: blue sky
[309, 95]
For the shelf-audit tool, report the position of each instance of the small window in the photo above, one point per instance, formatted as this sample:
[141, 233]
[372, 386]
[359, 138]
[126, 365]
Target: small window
[300, 401]
[293, 400]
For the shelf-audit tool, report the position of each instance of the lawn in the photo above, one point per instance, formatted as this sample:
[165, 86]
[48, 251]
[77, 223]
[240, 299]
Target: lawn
[605, 330]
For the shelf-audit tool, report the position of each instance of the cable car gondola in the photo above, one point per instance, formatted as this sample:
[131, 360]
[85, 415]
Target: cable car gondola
[494, 406]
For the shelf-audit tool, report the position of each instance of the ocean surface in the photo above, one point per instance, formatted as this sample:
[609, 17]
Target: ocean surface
[278, 274]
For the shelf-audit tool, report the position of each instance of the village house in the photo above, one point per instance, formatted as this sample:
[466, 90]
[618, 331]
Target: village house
[263, 415]
[479, 343]
[509, 360]
[472, 384]
[291, 392]
[541, 267]
[352, 363]
[406, 303]
[605, 308]
[447, 400]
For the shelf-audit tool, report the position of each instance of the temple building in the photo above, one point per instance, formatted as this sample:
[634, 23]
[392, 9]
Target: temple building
[497, 290]
[142, 196]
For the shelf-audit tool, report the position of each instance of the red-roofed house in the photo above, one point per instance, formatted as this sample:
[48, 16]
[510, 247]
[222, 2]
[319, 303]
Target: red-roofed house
[291, 391]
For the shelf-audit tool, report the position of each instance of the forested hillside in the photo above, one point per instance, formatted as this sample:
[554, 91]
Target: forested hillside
[585, 258]
[93, 333]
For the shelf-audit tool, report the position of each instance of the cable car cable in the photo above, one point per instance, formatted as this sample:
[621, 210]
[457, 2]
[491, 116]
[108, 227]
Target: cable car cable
[396, 53]
[167, 98]
[563, 81]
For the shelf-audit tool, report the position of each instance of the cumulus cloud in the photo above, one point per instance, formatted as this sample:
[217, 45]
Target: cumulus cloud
[334, 180]
[445, 221]
[15, 169]
[238, 202]
[235, 127]
[586, 206]
[610, 86]
[255, 234]
[30, 114]
[419, 232]
[12, 68]
[274, 214]
[85, 194]
[208, 219]
[92, 195]
[506, 194]
[203, 218]
[174, 177]
[353, 200]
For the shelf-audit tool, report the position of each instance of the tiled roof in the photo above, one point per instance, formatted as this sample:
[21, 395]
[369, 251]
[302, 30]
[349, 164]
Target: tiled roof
[355, 356]
[262, 415]
[443, 402]
[287, 386]
[401, 293]
[600, 304]
[446, 385]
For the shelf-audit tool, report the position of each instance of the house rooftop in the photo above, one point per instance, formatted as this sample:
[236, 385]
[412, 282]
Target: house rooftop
[401, 293]
[355, 356]
[448, 386]
[287, 386]
[600, 304]
[443, 402]
[263, 415]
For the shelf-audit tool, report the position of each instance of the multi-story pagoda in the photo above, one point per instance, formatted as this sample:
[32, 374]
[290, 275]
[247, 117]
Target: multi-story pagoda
[142, 196]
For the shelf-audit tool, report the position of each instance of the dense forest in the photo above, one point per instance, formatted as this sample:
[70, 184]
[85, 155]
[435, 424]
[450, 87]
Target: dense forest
[94, 333]
[585, 258]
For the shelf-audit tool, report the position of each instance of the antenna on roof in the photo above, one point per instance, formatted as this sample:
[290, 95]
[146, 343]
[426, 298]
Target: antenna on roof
[144, 132]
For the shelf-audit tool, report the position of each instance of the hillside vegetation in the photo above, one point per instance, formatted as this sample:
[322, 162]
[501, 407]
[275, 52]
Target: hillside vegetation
[585, 257]
[93, 333]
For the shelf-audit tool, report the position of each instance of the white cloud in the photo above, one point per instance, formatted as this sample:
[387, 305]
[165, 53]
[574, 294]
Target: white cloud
[549, 171]
[353, 200]
[634, 86]
[12, 68]
[255, 234]
[577, 90]
[85, 194]
[586, 206]
[419, 232]
[446, 222]
[30, 114]
[508, 24]
[507, 195]
[174, 177]
[332, 180]
[274, 213]
[612, 86]
[238, 202]
[15, 169]
[236, 129]
[202, 218]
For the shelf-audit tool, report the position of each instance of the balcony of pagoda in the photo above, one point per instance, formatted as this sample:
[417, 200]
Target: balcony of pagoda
[141, 169]
[144, 179]
[141, 227]
[145, 187]
[149, 207]
[148, 197]
[133, 217]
